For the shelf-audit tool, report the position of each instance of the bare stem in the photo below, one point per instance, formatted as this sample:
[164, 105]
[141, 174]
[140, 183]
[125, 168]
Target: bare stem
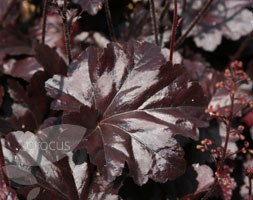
[44, 21]
[173, 32]
[154, 23]
[66, 28]
[166, 7]
[194, 22]
[242, 47]
[7, 11]
[161, 25]
[109, 21]
[184, 5]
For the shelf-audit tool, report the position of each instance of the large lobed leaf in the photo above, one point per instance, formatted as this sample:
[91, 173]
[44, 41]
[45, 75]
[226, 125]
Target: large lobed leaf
[229, 19]
[132, 103]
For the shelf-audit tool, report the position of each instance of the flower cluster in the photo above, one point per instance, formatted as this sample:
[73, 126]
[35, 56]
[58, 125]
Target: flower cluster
[229, 91]
[231, 100]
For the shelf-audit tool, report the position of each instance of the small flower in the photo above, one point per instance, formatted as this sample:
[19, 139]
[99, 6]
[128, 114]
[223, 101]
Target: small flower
[249, 172]
[240, 128]
[207, 142]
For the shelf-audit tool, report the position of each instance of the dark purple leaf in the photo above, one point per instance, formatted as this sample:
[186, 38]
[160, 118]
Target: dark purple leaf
[59, 176]
[82, 173]
[209, 80]
[11, 16]
[196, 67]
[37, 94]
[51, 121]
[5, 127]
[24, 151]
[204, 178]
[136, 103]
[13, 43]
[89, 183]
[224, 18]
[22, 110]
[105, 196]
[221, 102]
[96, 187]
[91, 6]
[30, 104]
[195, 180]
[24, 68]
[54, 37]
[50, 60]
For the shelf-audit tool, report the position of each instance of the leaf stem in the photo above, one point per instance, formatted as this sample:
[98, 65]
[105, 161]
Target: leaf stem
[202, 11]
[154, 23]
[173, 31]
[166, 7]
[109, 21]
[242, 47]
[44, 21]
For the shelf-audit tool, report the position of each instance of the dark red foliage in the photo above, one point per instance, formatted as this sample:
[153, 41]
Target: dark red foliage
[54, 37]
[13, 43]
[50, 60]
[204, 178]
[208, 82]
[144, 125]
[221, 20]
[30, 105]
[24, 68]
[133, 118]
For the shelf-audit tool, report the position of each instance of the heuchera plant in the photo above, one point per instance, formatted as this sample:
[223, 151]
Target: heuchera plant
[90, 110]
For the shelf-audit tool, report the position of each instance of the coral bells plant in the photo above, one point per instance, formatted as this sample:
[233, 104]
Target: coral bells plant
[226, 113]
[109, 99]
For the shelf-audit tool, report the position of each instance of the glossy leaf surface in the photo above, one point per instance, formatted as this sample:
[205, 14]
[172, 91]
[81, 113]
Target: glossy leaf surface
[135, 103]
